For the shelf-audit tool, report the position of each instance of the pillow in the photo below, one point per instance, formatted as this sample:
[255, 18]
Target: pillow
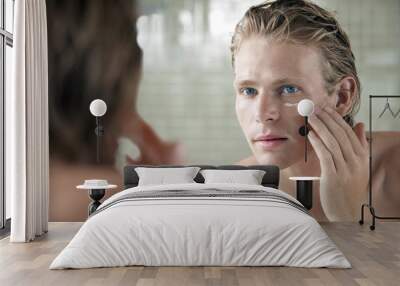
[162, 176]
[248, 177]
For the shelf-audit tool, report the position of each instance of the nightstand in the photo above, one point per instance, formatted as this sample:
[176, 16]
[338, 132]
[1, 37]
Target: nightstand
[304, 192]
[97, 190]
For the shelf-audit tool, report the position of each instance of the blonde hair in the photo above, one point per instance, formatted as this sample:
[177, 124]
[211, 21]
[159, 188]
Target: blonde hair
[303, 22]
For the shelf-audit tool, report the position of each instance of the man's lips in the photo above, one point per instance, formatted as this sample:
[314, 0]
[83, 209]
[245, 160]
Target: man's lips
[269, 137]
[268, 142]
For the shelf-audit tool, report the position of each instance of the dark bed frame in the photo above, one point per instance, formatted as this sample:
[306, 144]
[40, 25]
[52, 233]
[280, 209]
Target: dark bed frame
[270, 179]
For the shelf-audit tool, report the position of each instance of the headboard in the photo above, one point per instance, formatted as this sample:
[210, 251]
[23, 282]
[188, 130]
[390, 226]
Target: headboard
[270, 179]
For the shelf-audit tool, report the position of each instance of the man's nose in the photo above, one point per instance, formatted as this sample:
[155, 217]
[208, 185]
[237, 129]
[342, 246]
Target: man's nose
[268, 108]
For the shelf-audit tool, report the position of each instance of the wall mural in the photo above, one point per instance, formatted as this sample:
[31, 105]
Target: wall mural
[164, 70]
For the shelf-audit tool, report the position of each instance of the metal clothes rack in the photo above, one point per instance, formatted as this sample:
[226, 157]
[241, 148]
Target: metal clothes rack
[369, 205]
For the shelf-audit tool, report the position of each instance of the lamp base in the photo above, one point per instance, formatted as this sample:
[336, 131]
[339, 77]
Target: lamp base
[304, 193]
[96, 195]
[304, 190]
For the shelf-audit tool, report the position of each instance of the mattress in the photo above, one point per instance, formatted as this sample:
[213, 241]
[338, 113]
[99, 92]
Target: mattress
[201, 225]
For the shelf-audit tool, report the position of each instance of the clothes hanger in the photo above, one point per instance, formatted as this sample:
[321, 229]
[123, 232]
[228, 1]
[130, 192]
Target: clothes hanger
[387, 106]
[397, 113]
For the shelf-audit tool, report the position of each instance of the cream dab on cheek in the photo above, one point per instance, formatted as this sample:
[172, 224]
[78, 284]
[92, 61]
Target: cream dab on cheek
[305, 107]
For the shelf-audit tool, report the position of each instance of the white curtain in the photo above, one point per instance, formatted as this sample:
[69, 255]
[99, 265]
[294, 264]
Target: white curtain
[27, 151]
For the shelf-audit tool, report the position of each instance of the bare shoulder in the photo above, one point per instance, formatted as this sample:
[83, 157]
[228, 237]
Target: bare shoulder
[385, 172]
[383, 142]
[385, 156]
[391, 151]
[247, 161]
[387, 138]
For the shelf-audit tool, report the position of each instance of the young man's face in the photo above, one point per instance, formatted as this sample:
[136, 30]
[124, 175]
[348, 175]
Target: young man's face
[270, 78]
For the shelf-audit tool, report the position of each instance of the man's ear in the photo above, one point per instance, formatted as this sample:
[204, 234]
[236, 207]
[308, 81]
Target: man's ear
[346, 91]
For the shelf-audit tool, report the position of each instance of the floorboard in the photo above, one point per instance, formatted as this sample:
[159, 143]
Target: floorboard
[374, 255]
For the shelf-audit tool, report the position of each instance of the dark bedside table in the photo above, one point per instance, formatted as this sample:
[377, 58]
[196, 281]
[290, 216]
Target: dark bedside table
[304, 193]
[97, 190]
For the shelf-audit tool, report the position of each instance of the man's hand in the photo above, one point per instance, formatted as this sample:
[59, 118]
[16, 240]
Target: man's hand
[343, 155]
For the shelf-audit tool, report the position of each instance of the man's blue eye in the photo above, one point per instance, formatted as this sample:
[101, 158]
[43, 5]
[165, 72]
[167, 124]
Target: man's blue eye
[248, 91]
[289, 89]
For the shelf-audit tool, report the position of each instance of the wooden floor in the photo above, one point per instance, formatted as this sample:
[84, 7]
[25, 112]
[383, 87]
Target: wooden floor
[374, 255]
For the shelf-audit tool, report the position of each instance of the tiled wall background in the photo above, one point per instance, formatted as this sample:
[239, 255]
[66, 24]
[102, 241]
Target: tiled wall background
[186, 92]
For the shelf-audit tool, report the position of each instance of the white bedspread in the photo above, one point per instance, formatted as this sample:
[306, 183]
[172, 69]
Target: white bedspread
[200, 231]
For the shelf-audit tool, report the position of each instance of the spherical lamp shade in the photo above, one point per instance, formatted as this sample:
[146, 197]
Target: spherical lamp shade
[98, 107]
[305, 107]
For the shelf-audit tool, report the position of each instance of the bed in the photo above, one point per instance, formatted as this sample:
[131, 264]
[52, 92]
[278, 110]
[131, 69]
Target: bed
[201, 224]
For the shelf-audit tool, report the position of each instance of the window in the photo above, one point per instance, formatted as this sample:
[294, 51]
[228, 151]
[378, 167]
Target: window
[6, 63]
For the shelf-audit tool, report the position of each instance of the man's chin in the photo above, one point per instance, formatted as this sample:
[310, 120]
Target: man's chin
[272, 159]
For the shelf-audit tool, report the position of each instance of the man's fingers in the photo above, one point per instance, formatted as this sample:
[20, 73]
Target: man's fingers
[325, 157]
[329, 141]
[340, 135]
[359, 130]
[354, 139]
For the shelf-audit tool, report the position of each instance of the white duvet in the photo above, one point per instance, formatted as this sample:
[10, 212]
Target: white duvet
[200, 231]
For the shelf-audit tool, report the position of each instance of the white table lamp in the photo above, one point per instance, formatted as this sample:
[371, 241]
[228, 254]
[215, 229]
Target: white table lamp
[305, 108]
[98, 108]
